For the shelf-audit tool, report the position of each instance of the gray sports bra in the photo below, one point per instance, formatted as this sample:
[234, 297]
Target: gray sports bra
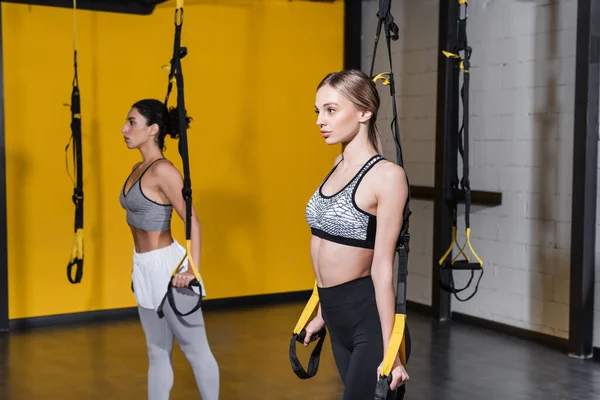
[143, 213]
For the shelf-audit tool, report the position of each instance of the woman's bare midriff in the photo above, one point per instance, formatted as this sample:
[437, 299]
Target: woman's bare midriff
[336, 263]
[145, 241]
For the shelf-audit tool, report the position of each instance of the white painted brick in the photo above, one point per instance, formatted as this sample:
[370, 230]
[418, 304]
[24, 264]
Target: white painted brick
[486, 128]
[418, 129]
[547, 259]
[420, 264]
[548, 207]
[419, 106]
[421, 151]
[519, 18]
[485, 22]
[521, 48]
[529, 284]
[496, 52]
[563, 235]
[420, 173]
[484, 177]
[564, 178]
[419, 289]
[485, 78]
[421, 83]
[564, 45]
[561, 287]
[482, 226]
[527, 179]
[491, 303]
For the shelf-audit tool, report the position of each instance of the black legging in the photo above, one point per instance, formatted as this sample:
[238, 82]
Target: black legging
[351, 315]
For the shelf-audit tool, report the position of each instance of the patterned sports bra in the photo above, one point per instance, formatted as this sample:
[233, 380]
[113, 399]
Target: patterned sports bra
[338, 218]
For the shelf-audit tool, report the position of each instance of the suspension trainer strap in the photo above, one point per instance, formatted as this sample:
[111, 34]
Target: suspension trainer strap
[298, 336]
[76, 258]
[464, 61]
[176, 74]
[397, 344]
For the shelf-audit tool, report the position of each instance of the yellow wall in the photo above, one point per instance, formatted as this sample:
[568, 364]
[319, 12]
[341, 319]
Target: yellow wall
[256, 154]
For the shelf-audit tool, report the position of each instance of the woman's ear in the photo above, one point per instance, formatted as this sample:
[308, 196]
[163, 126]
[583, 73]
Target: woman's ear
[365, 115]
[153, 129]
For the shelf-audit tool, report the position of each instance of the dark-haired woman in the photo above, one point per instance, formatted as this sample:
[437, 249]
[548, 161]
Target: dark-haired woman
[149, 195]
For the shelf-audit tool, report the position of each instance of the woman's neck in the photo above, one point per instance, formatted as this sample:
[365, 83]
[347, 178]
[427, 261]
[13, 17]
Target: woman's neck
[150, 153]
[357, 151]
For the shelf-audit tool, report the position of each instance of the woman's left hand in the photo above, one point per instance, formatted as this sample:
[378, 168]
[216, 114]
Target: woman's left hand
[183, 279]
[399, 374]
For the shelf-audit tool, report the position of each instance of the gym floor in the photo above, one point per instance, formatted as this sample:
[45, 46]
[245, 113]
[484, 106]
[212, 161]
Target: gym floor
[448, 362]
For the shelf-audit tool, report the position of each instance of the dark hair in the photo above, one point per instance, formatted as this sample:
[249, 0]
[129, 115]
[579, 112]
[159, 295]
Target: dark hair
[357, 87]
[167, 120]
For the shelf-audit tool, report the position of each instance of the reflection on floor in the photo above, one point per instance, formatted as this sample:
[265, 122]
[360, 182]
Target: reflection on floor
[448, 362]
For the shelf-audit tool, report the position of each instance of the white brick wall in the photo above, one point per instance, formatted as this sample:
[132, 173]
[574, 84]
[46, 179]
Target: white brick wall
[522, 93]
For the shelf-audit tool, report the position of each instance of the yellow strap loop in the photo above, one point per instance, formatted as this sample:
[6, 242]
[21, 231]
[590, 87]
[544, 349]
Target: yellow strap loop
[452, 55]
[461, 250]
[384, 76]
[395, 345]
[77, 250]
[179, 4]
[462, 1]
[452, 243]
[310, 307]
[190, 259]
[471, 247]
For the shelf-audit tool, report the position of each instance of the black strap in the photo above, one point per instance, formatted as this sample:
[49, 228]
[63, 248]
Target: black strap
[386, 20]
[176, 71]
[313, 363]
[462, 45]
[171, 298]
[78, 166]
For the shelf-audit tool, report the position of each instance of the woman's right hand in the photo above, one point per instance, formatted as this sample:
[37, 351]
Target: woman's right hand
[312, 328]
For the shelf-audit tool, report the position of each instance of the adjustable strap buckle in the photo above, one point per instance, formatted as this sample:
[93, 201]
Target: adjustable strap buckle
[186, 192]
[391, 28]
[77, 195]
[403, 242]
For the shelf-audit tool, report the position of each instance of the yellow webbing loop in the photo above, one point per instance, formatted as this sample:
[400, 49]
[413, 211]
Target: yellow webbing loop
[190, 259]
[468, 242]
[460, 249]
[179, 4]
[77, 251]
[395, 344]
[462, 1]
[384, 78]
[452, 55]
[310, 307]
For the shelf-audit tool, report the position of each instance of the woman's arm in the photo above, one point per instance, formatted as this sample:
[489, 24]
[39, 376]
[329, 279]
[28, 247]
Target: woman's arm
[391, 193]
[170, 183]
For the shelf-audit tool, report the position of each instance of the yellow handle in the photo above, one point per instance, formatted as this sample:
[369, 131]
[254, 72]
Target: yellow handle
[190, 259]
[310, 307]
[396, 343]
[179, 4]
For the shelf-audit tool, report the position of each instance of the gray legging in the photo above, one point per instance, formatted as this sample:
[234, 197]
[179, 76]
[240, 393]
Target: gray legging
[191, 336]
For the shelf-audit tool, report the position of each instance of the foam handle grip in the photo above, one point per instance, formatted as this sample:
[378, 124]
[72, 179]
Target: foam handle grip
[382, 388]
[302, 335]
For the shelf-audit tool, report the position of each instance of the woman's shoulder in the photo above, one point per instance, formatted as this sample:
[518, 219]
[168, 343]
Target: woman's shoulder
[164, 169]
[389, 173]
